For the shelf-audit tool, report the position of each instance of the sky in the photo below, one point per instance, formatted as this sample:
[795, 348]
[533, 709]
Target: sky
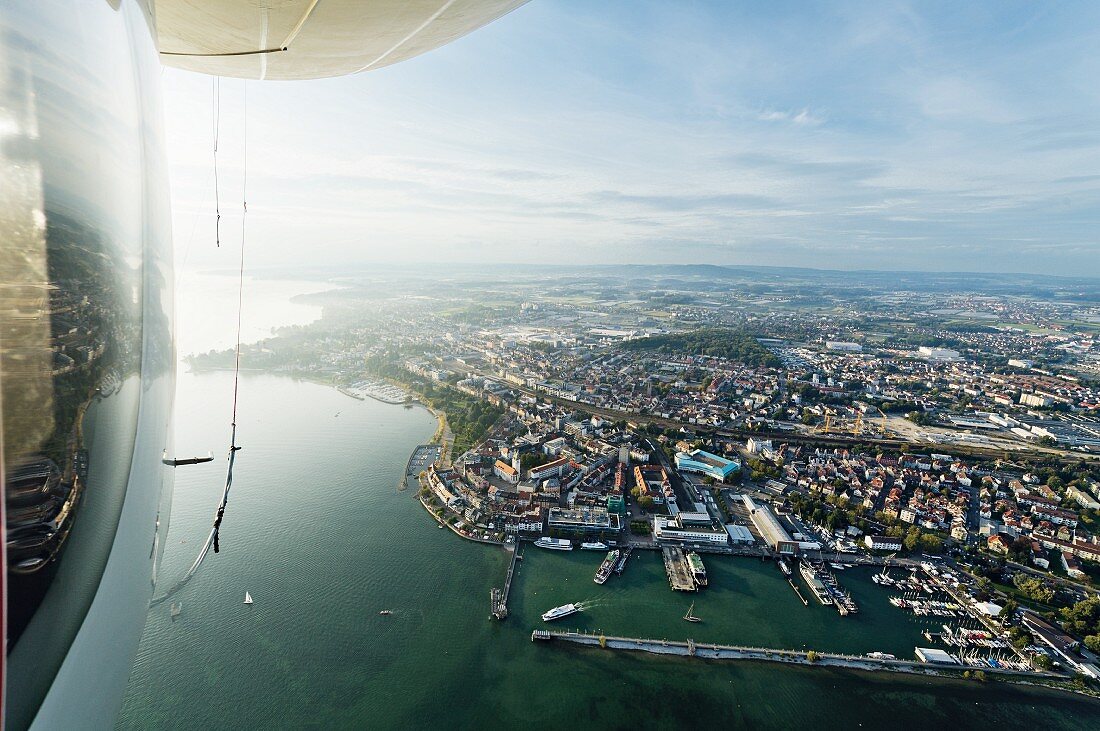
[866, 135]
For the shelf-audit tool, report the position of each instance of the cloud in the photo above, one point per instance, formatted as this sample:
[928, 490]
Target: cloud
[839, 135]
[801, 117]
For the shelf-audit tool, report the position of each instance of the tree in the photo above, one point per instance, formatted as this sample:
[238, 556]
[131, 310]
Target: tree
[912, 538]
[1093, 642]
[1033, 588]
[812, 656]
[646, 502]
[1020, 637]
[1042, 662]
[931, 544]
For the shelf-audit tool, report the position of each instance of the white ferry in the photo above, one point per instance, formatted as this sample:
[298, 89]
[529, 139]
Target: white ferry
[597, 546]
[556, 544]
[559, 612]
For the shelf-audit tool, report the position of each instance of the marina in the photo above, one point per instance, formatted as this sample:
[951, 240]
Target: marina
[377, 390]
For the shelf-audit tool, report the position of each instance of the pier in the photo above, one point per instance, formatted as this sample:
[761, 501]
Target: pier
[805, 602]
[676, 566]
[691, 648]
[498, 598]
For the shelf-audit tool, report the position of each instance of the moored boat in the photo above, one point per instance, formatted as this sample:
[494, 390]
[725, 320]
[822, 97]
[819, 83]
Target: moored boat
[555, 544]
[698, 571]
[606, 567]
[594, 546]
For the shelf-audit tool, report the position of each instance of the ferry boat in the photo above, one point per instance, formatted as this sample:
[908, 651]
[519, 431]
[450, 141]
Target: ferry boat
[555, 544]
[597, 546]
[698, 571]
[558, 612]
[606, 567]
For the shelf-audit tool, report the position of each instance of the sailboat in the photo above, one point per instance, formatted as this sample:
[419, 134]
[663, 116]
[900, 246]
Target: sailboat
[689, 617]
[247, 598]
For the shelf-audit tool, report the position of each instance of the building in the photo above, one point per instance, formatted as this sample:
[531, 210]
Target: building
[652, 480]
[759, 446]
[1072, 567]
[772, 531]
[506, 472]
[1036, 399]
[672, 530]
[707, 464]
[932, 655]
[740, 535]
[550, 469]
[843, 347]
[941, 354]
[694, 519]
[590, 522]
[882, 543]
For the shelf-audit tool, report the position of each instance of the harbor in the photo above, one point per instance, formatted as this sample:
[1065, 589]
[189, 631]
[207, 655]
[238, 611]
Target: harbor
[437, 586]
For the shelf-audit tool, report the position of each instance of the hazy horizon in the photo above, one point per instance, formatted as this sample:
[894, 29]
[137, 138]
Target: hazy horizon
[937, 138]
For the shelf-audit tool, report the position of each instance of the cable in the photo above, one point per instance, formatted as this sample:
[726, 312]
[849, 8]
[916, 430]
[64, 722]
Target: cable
[213, 539]
[233, 448]
[216, 114]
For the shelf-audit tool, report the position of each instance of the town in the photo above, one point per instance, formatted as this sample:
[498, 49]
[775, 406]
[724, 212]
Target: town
[951, 432]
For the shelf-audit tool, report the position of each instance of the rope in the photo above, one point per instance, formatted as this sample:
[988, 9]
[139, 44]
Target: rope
[213, 539]
[233, 448]
[216, 114]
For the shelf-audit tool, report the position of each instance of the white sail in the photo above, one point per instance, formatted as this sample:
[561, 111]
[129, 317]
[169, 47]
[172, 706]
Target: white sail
[247, 598]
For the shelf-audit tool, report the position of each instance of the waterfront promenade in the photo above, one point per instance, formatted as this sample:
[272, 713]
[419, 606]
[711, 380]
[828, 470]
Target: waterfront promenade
[711, 651]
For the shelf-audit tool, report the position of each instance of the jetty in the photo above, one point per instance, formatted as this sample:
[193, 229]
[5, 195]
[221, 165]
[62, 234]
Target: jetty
[691, 648]
[676, 566]
[498, 598]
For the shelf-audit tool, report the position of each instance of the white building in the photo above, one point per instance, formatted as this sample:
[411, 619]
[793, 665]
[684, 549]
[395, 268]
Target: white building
[942, 354]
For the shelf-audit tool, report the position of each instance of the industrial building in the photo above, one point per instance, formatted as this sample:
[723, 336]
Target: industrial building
[740, 535]
[774, 534]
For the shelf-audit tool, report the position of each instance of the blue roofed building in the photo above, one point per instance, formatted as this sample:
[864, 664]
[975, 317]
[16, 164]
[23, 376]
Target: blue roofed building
[707, 464]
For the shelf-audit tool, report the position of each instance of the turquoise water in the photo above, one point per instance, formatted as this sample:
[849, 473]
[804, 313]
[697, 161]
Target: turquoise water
[319, 535]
